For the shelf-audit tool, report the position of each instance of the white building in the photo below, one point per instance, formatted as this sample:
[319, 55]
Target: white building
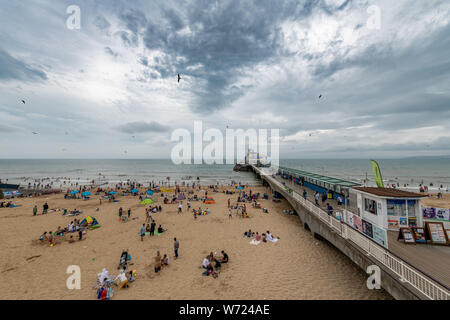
[387, 208]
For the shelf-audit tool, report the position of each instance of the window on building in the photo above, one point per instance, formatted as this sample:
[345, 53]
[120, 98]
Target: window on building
[370, 206]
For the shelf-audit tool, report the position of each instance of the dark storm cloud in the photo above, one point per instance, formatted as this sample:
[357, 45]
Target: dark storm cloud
[142, 127]
[222, 37]
[14, 69]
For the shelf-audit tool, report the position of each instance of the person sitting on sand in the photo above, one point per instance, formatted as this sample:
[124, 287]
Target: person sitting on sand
[165, 260]
[147, 228]
[59, 231]
[217, 265]
[51, 238]
[205, 263]
[224, 257]
[257, 237]
[43, 237]
[209, 269]
[160, 229]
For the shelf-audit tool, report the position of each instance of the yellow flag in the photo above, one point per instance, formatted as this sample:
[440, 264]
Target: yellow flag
[377, 174]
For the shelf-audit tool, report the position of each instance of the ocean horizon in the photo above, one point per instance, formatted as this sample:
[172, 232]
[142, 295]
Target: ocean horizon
[433, 171]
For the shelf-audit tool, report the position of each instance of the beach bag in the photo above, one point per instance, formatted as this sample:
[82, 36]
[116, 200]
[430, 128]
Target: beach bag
[103, 295]
[99, 292]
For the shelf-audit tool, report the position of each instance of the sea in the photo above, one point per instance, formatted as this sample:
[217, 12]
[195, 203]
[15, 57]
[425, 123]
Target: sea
[432, 172]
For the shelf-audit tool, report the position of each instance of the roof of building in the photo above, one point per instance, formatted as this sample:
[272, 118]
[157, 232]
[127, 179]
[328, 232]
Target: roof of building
[389, 192]
[330, 180]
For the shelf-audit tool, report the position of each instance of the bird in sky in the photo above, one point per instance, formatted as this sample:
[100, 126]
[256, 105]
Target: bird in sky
[23, 101]
[320, 96]
[179, 78]
[34, 132]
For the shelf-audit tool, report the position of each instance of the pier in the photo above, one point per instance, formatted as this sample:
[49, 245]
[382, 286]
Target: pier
[413, 272]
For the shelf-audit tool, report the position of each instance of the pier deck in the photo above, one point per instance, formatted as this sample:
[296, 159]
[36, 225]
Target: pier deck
[432, 261]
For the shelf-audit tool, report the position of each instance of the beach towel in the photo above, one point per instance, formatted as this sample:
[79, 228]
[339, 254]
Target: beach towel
[270, 238]
[15, 206]
[254, 242]
[156, 233]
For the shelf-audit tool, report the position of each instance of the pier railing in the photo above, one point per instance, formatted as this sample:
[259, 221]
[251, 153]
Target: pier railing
[402, 269]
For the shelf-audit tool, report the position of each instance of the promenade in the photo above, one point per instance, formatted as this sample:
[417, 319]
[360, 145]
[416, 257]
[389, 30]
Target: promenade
[424, 267]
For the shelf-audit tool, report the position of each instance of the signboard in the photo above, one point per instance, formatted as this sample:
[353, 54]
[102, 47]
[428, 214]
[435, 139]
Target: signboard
[407, 235]
[393, 223]
[436, 232]
[419, 234]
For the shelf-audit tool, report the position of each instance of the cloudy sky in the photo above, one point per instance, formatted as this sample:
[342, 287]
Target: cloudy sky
[111, 86]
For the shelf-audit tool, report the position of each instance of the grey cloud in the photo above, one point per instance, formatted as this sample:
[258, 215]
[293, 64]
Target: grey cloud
[101, 23]
[14, 69]
[142, 127]
[109, 51]
[5, 128]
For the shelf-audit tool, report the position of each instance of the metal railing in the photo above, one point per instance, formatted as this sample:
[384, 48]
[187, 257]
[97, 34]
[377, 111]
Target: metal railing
[403, 270]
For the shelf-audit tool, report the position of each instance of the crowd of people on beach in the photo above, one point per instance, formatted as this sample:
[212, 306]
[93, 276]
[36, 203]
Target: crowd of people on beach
[257, 238]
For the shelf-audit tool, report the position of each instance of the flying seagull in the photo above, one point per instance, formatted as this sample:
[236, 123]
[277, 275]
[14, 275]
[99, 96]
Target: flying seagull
[23, 101]
[179, 78]
[320, 96]
[34, 132]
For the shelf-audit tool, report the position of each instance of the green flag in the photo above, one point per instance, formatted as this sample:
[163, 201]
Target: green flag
[377, 174]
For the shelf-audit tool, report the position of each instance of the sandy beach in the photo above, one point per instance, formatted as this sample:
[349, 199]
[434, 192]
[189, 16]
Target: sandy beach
[296, 267]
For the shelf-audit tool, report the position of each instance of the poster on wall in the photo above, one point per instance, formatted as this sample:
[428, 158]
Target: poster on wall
[419, 234]
[428, 213]
[436, 232]
[379, 235]
[442, 214]
[393, 223]
[357, 223]
[367, 228]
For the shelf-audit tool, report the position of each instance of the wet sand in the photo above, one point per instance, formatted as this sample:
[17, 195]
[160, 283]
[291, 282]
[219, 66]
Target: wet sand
[296, 267]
